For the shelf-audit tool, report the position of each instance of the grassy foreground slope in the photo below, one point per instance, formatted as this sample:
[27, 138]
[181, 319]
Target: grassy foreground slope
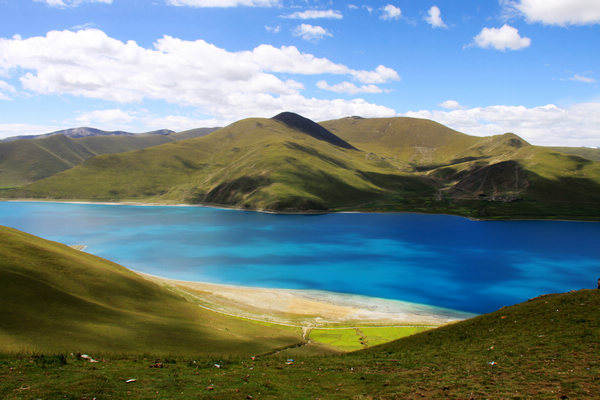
[546, 348]
[289, 163]
[57, 299]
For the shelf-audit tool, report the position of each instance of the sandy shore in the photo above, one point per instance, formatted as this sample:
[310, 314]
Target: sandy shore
[308, 307]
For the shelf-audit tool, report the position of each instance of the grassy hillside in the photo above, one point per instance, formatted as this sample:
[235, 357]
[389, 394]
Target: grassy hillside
[500, 176]
[585, 152]
[387, 164]
[546, 348]
[24, 161]
[254, 163]
[57, 299]
[27, 160]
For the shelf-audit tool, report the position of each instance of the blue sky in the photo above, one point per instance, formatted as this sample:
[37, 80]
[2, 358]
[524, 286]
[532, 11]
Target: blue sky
[531, 67]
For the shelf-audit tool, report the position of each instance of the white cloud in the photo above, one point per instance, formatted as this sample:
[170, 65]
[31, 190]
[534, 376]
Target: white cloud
[434, 18]
[5, 87]
[111, 119]
[450, 105]
[180, 123]
[348, 87]
[220, 84]
[503, 38]
[311, 33]
[581, 78]
[223, 3]
[315, 14]
[549, 125]
[71, 3]
[273, 29]
[390, 12]
[558, 12]
[381, 74]
[288, 59]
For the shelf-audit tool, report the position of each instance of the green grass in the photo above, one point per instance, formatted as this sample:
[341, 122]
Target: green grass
[56, 299]
[351, 339]
[56, 302]
[546, 348]
[585, 152]
[343, 339]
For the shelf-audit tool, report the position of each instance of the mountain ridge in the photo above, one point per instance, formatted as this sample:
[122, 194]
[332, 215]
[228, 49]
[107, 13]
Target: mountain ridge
[394, 164]
[79, 132]
[311, 128]
[27, 160]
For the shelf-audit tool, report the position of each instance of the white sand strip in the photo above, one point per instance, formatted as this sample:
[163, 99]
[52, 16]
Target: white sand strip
[309, 307]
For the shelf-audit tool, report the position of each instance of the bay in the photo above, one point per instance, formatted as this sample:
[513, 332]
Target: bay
[439, 260]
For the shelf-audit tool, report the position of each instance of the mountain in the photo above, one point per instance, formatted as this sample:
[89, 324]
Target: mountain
[75, 133]
[311, 128]
[586, 152]
[54, 298]
[23, 161]
[501, 175]
[289, 163]
[256, 163]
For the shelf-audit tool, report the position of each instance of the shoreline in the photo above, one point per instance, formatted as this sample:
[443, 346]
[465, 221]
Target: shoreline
[305, 212]
[308, 308]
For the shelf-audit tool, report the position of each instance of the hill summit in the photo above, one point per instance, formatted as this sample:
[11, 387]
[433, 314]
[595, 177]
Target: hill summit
[311, 128]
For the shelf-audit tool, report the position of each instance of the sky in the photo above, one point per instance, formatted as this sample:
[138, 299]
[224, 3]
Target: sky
[483, 67]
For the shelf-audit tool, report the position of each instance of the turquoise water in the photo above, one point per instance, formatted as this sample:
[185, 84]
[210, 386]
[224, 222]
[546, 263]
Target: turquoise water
[440, 260]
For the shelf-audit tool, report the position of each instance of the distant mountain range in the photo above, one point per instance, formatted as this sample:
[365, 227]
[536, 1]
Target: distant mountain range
[76, 133]
[289, 163]
[25, 159]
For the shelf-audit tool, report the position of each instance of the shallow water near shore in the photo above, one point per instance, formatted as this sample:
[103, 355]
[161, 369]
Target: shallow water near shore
[438, 260]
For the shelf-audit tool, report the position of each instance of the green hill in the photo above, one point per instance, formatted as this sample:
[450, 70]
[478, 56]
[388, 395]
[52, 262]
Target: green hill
[585, 152]
[289, 163]
[57, 299]
[26, 160]
[546, 348]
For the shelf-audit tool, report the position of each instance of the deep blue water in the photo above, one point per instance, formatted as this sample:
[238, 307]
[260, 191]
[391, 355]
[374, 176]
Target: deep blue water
[440, 260]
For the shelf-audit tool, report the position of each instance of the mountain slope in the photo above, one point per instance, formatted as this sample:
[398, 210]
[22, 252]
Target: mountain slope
[288, 163]
[585, 152]
[311, 128]
[24, 161]
[501, 175]
[546, 348]
[54, 298]
[254, 163]
[30, 159]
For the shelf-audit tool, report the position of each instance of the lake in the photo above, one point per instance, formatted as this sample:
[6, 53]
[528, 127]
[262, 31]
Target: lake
[439, 260]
